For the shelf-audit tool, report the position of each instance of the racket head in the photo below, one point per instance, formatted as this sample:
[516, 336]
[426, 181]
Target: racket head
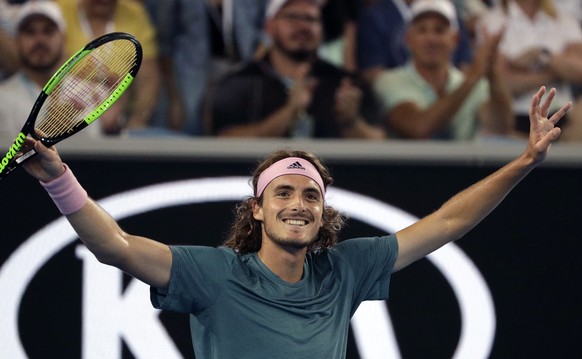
[85, 86]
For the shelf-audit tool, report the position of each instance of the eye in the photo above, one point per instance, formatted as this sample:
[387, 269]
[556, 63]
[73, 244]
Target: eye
[312, 196]
[282, 194]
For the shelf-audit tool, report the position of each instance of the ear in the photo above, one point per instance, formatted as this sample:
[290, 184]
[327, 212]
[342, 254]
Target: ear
[269, 27]
[457, 38]
[257, 211]
[407, 37]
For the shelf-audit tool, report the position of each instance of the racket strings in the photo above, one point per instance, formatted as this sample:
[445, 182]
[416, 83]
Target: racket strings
[85, 87]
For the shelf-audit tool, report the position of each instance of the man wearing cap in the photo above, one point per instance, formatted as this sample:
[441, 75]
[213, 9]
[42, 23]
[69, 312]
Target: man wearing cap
[40, 40]
[290, 92]
[380, 38]
[428, 98]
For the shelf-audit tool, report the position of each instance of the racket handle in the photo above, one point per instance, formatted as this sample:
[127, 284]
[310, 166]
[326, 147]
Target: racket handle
[26, 156]
[66, 192]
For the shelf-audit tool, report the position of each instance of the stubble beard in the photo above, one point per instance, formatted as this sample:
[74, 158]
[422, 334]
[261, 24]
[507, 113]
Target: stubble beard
[46, 64]
[298, 55]
[296, 244]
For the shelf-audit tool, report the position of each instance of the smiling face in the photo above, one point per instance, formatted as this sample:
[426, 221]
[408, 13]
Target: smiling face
[291, 212]
[296, 29]
[40, 44]
[431, 40]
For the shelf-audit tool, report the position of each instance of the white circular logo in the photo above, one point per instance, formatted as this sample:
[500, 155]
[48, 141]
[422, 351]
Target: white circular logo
[371, 324]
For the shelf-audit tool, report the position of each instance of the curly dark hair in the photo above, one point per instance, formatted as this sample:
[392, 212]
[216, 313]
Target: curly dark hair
[245, 234]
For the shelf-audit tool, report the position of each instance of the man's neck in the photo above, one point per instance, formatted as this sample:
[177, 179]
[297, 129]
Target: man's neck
[288, 67]
[529, 7]
[39, 78]
[96, 23]
[286, 264]
[435, 76]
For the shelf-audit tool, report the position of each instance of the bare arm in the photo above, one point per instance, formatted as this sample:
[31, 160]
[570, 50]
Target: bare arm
[140, 257]
[466, 209]
[176, 114]
[496, 116]
[362, 129]
[146, 87]
[275, 125]
[410, 121]
[8, 53]
[278, 123]
[350, 121]
[371, 74]
[567, 65]
[520, 76]
[350, 43]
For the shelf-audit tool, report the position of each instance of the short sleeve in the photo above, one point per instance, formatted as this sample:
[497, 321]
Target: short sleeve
[372, 260]
[197, 277]
[397, 86]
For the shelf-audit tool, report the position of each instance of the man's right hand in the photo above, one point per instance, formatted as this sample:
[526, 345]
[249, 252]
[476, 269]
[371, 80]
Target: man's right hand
[46, 165]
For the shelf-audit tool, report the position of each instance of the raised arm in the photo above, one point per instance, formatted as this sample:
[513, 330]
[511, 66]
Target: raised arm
[8, 53]
[466, 209]
[140, 257]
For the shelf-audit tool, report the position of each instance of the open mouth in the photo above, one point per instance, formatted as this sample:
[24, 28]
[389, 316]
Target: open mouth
[296, 222]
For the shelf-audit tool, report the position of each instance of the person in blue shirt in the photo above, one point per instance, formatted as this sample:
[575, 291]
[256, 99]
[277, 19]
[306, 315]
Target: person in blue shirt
[200, 41]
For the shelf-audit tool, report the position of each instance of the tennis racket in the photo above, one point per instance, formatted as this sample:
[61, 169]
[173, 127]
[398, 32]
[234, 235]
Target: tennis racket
[83, 88]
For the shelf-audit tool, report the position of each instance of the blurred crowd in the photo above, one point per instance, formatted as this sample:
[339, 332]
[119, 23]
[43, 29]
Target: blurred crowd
[459, 70]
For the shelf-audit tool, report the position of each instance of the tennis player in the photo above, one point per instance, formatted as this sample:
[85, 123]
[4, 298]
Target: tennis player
[282, 287]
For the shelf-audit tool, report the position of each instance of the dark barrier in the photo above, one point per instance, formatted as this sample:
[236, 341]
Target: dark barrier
[510, 289]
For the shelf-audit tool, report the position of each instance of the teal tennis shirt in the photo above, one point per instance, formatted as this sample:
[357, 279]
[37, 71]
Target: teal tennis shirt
[240, 309]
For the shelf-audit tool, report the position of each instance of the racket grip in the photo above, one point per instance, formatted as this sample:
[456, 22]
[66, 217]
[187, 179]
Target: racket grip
[66, 192]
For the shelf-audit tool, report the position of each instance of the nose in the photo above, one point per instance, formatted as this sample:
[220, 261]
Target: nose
[298, 203]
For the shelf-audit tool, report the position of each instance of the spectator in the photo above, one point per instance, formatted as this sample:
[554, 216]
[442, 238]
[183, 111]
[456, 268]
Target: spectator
[199, 42]
[470, 11]
[8, 56]
[571, 7]
[290, 92]
[540, 46]
[429, 98]
[89, 19]
[40, 46]
[339, 33]
[380, 38]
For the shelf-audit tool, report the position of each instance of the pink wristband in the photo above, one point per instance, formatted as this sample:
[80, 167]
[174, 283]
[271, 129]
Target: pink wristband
[66, 192]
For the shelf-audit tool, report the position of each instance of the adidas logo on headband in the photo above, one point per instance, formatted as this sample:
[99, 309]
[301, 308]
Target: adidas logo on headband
[289, 166]
[295, 166]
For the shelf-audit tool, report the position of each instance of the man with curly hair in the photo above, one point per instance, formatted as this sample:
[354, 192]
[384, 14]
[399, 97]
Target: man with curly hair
[282, 287]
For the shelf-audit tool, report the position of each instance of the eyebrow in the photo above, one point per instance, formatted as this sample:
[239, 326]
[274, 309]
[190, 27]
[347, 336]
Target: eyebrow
[314, 189]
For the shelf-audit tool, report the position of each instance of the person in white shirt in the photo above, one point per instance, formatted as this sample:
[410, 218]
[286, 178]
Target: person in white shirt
[540, 46]
[40, 45]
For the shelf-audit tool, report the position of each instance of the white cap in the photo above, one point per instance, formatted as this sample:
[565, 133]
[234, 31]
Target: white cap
[445, 8]
[276, 5]
[45, 8]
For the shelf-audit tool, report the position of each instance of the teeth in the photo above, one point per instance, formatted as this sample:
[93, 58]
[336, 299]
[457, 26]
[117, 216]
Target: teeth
[295, 222]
